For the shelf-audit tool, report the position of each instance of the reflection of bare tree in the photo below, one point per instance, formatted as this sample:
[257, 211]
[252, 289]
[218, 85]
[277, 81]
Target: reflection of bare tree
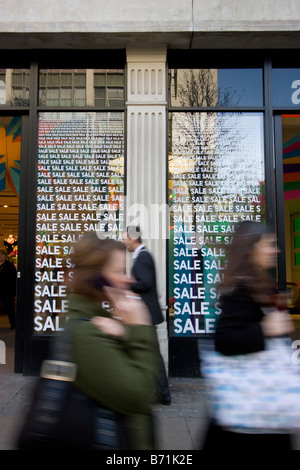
[18, 101]
[200, 88]
[224, 147]
[197, 88]
[204, 136]
[218, 157]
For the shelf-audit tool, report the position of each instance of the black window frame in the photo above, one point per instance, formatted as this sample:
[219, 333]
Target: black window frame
[30, 349]
[217, 59]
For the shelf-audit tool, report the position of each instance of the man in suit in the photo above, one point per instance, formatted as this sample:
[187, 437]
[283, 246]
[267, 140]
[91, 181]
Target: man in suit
[143, 272]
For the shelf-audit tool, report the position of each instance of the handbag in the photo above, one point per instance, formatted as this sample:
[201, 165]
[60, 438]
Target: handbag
[257, 392]
[61, 417]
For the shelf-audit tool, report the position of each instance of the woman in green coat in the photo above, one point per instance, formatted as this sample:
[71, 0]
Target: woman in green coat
[115, 351]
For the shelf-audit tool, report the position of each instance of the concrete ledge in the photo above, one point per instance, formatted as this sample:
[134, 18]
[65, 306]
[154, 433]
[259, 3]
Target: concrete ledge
[206, 40]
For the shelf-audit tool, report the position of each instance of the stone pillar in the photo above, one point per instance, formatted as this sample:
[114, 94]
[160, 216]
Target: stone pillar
[146, 201]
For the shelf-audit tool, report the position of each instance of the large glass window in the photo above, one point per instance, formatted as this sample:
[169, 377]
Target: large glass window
[216, 87]
[216, 180]
[291, 206]
[81, 87]
[10, 167]
[80, 189]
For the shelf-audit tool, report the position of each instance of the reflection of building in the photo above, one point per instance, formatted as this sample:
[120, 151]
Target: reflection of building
[14, 87]
[64, 87]
[152, 66]
[82, 87]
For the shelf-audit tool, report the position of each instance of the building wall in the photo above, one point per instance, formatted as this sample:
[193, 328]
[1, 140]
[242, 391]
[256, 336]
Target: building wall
[147, 30]
[136, 15]
[173, 23]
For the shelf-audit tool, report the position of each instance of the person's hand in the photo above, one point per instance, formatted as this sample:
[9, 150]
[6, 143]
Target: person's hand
[128, 306]
[110, 326]
[277, 323]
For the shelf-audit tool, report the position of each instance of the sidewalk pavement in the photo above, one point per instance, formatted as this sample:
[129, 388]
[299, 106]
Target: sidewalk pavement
[180, 426]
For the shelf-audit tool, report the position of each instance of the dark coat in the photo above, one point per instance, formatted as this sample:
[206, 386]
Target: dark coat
[143, 270]
[238, 329]
[8, 279]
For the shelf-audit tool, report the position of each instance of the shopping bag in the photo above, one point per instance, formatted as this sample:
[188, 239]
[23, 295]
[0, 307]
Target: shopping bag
[61, 417]
[257, 392]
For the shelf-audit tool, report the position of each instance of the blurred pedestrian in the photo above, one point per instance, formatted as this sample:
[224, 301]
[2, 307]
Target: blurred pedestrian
[115, 351]
[8, 280]
[249, 316]
[144, 284]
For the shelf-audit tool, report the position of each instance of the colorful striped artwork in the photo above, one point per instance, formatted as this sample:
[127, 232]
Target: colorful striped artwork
[10, 152]
[291, 168]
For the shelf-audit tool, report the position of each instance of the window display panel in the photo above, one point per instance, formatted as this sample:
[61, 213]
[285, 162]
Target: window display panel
[216, 180]
[80, 189]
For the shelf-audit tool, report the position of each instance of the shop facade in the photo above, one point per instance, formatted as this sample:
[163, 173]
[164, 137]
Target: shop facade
[184, 141]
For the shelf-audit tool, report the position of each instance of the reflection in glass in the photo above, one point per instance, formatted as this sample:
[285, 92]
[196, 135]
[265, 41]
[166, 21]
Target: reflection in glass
[217, 182]
[216, 87]
[80, 189]
[14, 87]
[86, 87]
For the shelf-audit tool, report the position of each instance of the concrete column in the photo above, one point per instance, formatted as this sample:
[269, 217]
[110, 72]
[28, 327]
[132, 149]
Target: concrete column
[146, 202]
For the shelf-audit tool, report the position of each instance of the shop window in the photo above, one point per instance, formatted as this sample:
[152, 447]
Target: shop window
[10, 165]
[80, 189]
[291, 196]
[216, 180]
[296, 241]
